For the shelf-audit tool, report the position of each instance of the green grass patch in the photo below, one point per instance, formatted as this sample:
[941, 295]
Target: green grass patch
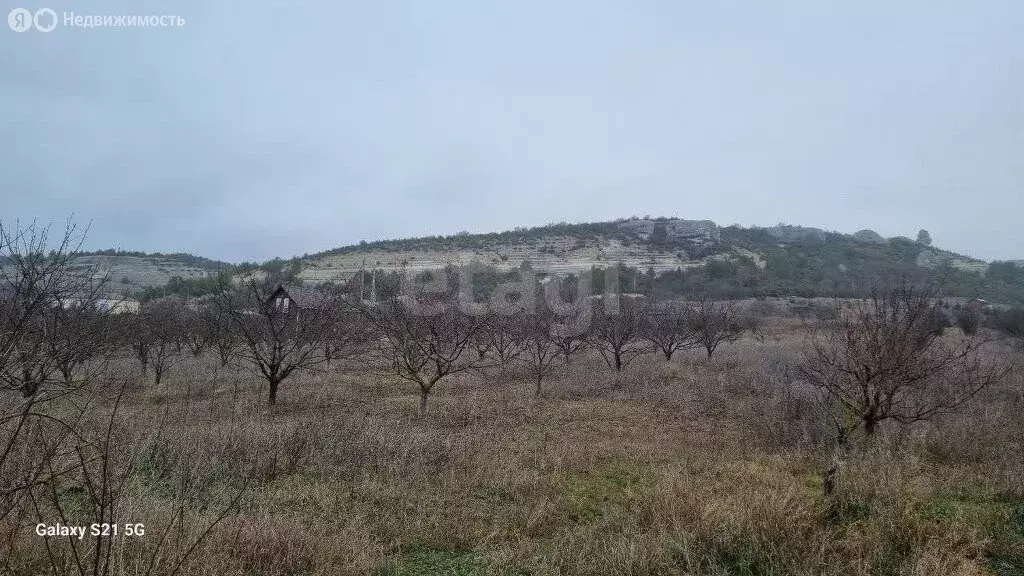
[493, 496]
[999, 516]
[728, 554]
[605, 491]
[423, 560]
[977, 507]
[77, 504]
[745, 558]
[846, 509]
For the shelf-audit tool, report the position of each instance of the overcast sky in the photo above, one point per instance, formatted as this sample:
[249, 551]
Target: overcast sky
[274, 130]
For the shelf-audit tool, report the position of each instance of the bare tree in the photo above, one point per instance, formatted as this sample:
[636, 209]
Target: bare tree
[714, 323]
[275, 341]
[423, 342]
[569, 344]
[50, 321]
[669, 327]
[162, 320]
[885, 360]
[31, 279]
[572, 306]
[539, 334]
[224, 337]
[504, 334]
[81, 334]
[136, 336]
[617, 331]
[198, 326]
[53, 338]
[154, 334]
[482, 343]
[350, 334]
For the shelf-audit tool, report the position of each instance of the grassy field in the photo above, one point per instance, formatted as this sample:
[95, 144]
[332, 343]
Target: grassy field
[692, 466]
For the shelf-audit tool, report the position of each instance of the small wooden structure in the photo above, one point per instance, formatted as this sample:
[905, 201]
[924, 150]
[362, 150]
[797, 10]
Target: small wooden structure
[294, 299]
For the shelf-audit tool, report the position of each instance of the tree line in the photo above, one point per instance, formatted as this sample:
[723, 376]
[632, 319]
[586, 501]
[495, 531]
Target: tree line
[55, 334]
[421, 338]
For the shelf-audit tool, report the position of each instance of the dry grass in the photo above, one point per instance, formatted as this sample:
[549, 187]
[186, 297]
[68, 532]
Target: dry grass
[688, 467]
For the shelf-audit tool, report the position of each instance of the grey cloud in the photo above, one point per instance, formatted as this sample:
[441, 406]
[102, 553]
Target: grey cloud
[259, 131]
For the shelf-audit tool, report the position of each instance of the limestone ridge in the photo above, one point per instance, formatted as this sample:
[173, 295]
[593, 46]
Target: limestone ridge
[868, 237]
[796, 234]
[688, 257]
[700, 232]
[655, 244]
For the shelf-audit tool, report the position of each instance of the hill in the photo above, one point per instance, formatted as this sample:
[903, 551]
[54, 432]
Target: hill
[689, 257]
[662, 256]
[131, 272]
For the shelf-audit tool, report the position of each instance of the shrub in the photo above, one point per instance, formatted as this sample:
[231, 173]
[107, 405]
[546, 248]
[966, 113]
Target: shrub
[968, 320]
[1011, 323]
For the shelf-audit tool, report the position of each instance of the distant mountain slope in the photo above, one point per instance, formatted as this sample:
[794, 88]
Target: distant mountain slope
[134, 271]
[662, 256]
[558, 249]
[690, 256]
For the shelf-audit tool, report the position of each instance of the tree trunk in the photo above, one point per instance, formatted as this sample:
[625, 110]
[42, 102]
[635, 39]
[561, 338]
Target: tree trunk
[539, 378]
[272, 399]
[423, 400]
[29, 388]
[618, 361]
[830, 478]
[668, 355]
[870, 425]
